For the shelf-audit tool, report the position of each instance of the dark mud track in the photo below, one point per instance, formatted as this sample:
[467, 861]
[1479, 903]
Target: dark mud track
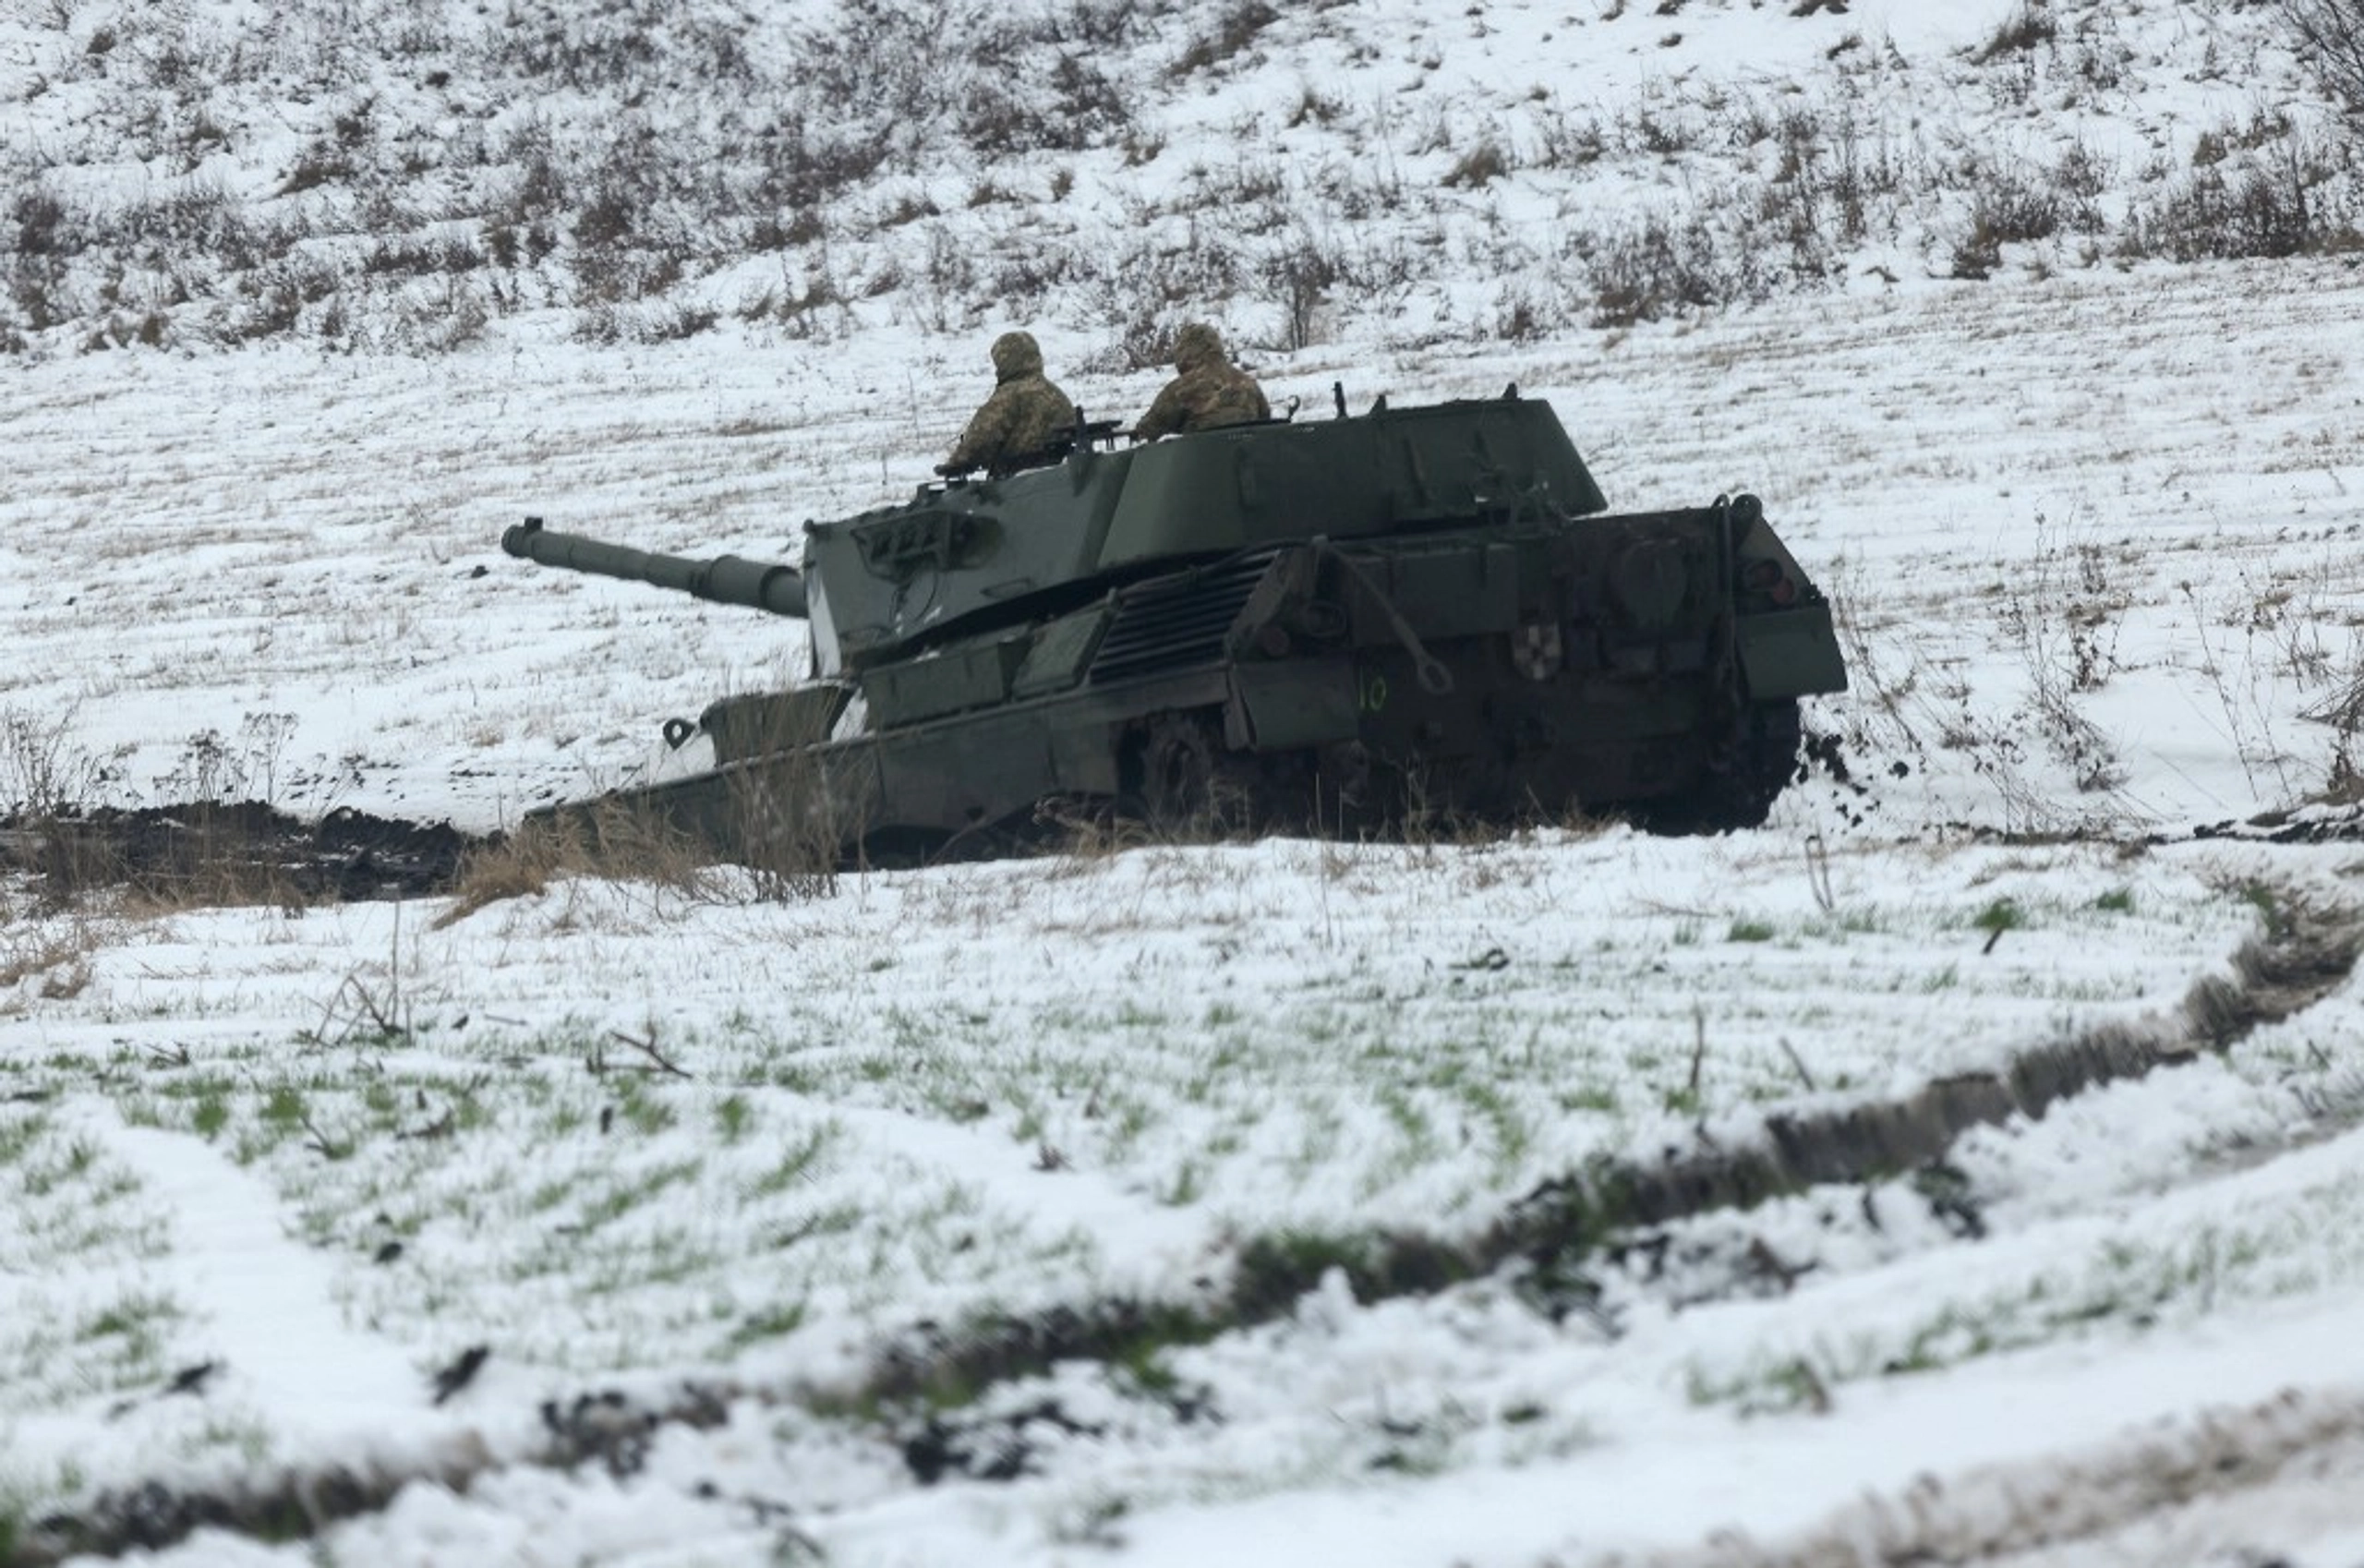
[235, 852]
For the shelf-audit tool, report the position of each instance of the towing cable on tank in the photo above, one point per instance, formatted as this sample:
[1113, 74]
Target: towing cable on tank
[1435, 679]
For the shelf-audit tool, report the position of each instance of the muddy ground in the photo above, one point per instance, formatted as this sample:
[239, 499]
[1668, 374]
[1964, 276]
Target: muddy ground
[235, 852]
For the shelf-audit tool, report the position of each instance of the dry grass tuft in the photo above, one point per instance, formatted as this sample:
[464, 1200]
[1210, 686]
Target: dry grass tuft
[61, 957]
[606, 839]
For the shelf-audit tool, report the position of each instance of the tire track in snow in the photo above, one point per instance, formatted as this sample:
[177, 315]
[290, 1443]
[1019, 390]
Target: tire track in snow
[2175, 1493]
[267, 1302]
[2300, 961]
[262, 1312]
[2307, 954]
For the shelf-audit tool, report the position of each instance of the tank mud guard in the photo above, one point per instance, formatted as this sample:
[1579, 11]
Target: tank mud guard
[1291, 705]
[1790, 653]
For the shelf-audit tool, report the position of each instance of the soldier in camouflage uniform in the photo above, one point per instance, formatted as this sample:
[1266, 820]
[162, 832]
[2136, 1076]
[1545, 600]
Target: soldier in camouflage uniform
[1208, 390]
[1024, 415]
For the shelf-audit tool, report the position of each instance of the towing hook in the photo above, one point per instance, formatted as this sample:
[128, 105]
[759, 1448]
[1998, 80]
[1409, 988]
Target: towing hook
[677, 733]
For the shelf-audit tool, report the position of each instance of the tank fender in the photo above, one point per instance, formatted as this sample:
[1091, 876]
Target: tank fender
[1790, 653]
[1290, 704]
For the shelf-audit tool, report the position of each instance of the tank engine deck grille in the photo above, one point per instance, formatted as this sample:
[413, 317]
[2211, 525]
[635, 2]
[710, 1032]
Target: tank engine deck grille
[1175, 623]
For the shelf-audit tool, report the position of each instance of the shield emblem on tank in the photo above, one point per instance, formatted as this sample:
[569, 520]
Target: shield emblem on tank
[1536, 650]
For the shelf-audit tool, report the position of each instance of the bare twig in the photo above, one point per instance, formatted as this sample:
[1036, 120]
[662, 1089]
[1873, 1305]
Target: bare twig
[1698, 1050]
[352, 1005]
[319, 1142]
[382, 1016]
[1653, 906]
[658, 1061]
[1796, 1061]
[440, 1128]
[1818, 874]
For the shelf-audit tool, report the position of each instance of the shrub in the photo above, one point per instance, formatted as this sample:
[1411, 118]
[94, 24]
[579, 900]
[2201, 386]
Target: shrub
[2216, 215]
[1479, 166]
[1659, 267]
[1235, 30]
[2021, 33]
[2329, 36]
[1301, 274]
[1082, 107]
[40, 219]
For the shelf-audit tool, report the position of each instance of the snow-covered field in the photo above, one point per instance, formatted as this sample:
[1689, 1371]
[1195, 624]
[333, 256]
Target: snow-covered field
[772, 1217]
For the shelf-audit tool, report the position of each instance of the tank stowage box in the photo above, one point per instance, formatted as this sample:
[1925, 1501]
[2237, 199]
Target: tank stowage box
[1333, 623]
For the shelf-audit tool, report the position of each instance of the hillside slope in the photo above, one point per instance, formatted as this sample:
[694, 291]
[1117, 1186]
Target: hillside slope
[426, 177]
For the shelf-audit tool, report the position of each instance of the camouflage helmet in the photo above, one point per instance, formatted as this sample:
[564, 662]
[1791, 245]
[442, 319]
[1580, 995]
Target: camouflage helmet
[1196, 344]
[1016, 355]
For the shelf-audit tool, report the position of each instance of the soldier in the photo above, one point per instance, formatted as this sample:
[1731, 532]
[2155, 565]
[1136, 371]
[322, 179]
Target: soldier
[1208, 390]
[1024, 415]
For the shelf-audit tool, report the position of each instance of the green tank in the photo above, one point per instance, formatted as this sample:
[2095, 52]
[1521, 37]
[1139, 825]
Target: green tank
[1336, 624]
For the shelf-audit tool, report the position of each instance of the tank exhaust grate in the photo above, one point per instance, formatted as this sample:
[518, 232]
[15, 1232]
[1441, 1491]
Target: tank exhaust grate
[1175, 623]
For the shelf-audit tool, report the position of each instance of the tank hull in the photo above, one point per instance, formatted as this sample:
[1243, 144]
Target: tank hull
[1509, 668]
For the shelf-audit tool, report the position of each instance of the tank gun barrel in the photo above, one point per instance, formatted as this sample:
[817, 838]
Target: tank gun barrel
[727, 579]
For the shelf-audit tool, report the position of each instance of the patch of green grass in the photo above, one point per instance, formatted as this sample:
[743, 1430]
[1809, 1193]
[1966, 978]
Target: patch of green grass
[1188, 1185]
[1141, 1368]
[962, 1108]
[1595, 1097]
[1513, 1134]
[799, 1161]
[42, 1179]
[1749, 931]
[283, 1109]
[1276, 1269]
[19, 1133]
[130, 1334]
[628, 1194]
[2119, 900]
[772, 1323]
[2270, 905]
[733, 1118]
[2003, 915]
[646, 1113]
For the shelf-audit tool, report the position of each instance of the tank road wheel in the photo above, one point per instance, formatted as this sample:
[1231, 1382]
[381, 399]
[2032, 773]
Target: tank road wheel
[1767, 763]
[1187, 788]
[1764, 761]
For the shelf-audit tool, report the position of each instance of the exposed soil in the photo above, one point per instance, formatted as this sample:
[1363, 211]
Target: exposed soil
[235, 852]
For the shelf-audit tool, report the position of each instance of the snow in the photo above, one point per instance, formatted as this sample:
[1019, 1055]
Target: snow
[2091, 528]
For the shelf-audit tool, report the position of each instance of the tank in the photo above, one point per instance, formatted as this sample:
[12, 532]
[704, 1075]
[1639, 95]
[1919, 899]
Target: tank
[1341, 624]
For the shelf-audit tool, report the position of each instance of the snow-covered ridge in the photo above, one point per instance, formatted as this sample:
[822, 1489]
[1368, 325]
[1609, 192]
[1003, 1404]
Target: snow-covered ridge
[361, 174]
